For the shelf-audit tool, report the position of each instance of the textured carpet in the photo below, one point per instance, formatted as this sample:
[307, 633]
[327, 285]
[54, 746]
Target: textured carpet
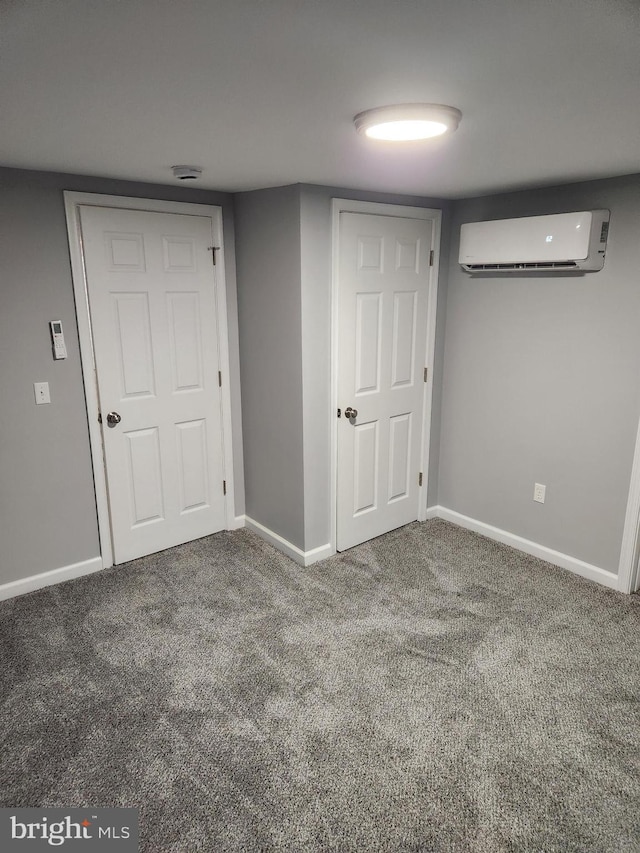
[427, 691]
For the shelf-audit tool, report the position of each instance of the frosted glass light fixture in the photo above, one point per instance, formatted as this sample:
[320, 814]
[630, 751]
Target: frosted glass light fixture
[407, 122]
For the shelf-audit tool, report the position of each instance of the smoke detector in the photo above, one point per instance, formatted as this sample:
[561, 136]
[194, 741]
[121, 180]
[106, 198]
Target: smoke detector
[186, 173]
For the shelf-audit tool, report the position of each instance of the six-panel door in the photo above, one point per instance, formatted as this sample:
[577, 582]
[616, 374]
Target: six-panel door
[383, 281]
[152, 298]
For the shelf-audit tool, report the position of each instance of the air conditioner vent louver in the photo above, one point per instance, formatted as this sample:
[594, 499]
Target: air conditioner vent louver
[528, 265]
[558, 241]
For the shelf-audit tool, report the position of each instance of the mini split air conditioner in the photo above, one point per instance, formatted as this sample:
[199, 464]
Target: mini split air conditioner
[559, 241]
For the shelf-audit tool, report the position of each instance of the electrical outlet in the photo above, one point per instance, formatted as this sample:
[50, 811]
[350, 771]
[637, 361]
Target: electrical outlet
[41, 390]
[539, 492]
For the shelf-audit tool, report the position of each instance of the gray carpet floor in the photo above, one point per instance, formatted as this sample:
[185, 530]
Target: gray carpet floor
[426, 691]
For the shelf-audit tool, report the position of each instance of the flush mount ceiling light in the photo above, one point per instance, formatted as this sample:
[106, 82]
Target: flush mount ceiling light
[406, 122]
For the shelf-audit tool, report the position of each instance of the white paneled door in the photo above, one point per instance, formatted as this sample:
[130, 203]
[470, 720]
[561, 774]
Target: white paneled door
[383, 288]
[152, 299]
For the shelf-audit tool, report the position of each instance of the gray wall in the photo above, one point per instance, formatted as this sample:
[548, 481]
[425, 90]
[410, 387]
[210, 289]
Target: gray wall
[316, 236]
[268, 259]
[283, 239]
[47, 502]
[541, 382]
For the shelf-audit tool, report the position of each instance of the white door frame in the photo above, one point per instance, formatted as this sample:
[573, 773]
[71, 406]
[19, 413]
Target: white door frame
[72, 201]
[344, 205]
[628, 569]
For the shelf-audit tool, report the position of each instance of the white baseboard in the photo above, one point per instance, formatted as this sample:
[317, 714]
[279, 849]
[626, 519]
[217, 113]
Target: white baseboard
[307, 558]
[578, 567]
[320, 553]
[302, 558]
[66, 573]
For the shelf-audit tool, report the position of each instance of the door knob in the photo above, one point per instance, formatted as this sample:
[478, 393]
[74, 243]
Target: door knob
[350, 413]
[113, 418]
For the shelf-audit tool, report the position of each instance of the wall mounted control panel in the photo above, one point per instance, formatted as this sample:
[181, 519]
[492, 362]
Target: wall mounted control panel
[57, 340]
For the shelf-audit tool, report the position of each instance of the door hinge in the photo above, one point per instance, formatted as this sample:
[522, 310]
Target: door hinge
[426, 373]
[420, 478]
[430, 258]
[213, 250]
[219, 379]
[224, 487]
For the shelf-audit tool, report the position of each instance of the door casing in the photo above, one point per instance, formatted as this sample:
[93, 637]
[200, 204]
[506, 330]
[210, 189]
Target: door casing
[342, 205]
[629, 566]
[73, 200]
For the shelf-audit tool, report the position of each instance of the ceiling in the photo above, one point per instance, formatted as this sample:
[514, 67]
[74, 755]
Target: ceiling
[263, 92]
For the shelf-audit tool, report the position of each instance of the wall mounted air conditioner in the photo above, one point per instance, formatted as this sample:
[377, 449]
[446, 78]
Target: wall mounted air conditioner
[559, 241]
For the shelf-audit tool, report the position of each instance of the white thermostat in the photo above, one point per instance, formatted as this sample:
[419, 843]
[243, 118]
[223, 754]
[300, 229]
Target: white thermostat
[57, 339]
